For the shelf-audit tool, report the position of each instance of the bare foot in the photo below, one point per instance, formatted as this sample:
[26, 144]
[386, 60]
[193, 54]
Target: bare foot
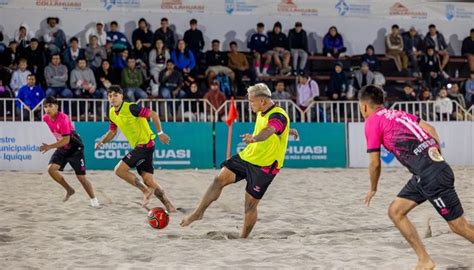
[190, 219]
[69, 193]
[425, 265]
[170, 208]
[146, 196]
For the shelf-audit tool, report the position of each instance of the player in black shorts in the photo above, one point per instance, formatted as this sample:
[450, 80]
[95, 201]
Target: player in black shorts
[69, 150]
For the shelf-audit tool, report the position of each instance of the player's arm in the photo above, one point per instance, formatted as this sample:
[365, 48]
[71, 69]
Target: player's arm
[164, 138]
[276, 125]
[64, 141]
[375, 168]
[108, 136]
[431, 130]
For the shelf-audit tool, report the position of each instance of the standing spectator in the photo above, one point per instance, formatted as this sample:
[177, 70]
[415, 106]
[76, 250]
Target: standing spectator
[36, 59]
[98, 31]
[408, 93]
[183, 58]
[10, 55]
[307, 91]
[338, 83]
[120, 60]
[194, 38]
[53, 36]
[436, 40]
[217, 62]
[258, 45]
[56, 75]
[166, 34]
[469, 87]
[280, 92]
[72, 53]
[23, 35]
[239, 64]
[215, 96]
[455, 94]
[394, 48]
[279, 49]
[19, 77]
[30, 95]
[144, 34]
[132, 80]
[118, 39]
[83, 81]
[443, 105]
[298, 42]
[106, 76]
[157, 61]
[363, 77]
[413, 47]
[333, 43]
[370, 58]
[171, 82]
[94, 53]
[467, 49]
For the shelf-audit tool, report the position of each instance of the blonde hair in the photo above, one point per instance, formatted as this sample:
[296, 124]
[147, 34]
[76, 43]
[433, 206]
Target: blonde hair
[259, 90]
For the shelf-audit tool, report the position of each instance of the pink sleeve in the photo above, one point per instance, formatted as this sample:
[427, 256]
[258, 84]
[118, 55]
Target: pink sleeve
[65, 126]
[373, 134]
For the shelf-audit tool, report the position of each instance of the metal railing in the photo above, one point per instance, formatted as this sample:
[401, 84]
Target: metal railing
[333, 112]
[430, 111]
[181, 110]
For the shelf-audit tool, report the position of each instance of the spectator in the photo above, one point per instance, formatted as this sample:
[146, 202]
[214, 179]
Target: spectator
[192, 109]
[106, 76]
[171, 82]
[157, 60]
[258, 45]
[456, 95]
[240, 66]
[467, 49]
[36, 59]
[118, 39]
[72, 53]
[194, 38]
[94, 53]
[413, 47]
[469, 87]
[166, 34]
[333, 44]
[395, 50]
[307, 91]
[436, 40]
[98, 31]
[430, 69]
[10, 55]
[183, 58]
[23, 35]
[19, 77]
[143, 34]
[83, 81]
[443, 105]
[217, 62]
[338, 83]
[140, 53]
[280, 92]
[120, 60]
[132, 80]
[56, 76]
[371, 58]
[215, 96]
[29, 94]
[5, 92]
[408, 93]
[2, 46]
[53, 37]
[363, 77]
[298, 43]
[425, 94]
[279, 49]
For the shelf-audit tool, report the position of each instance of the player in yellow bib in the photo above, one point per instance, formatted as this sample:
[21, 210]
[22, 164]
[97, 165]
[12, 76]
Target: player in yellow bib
[258, 163]
[131, 118]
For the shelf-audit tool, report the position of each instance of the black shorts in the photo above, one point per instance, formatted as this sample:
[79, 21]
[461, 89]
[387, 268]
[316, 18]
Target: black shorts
[257, 180]
[73, 156]
[142, 158]
[439, 190]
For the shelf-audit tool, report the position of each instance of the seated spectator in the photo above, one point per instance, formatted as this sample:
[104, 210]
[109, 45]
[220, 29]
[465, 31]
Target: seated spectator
[280, 92]
[425, 94]
[279, 49]
[5, 92]
[166, 34]
[408, 93]
[183, 58]
[333, 44]
[469, 88]
[19, 76]
[83, 82]
[10, 55]
[2, 46]
[56, 75]
[413, 47]
[258, 45]
[36, 59]
[120, 60]
[94, 53]
[467, 49]
[157, 60]
[217, 62]
[215, 97]
[30, 95]
[118, 39]
[436, 40]
[193, 110]
[23, 35]
[444, 105]
[240, 66]
[194, 38]
[395, 50]
[53, 36]
[456, 95]
[99, 32]
[362, 78]
[338, 83]
[307, 90]
[106, 76]
[132, 80]
[143, 34]
[298, 43]
[141, 56]
[430, 69]
[72, 53]
[370, 58]
[171, 82]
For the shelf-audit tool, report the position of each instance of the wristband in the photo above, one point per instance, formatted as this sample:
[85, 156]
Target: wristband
[160, 133]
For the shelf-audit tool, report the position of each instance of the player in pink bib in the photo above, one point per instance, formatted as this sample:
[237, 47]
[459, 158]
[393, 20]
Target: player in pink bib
[415, 144]
[69, 150]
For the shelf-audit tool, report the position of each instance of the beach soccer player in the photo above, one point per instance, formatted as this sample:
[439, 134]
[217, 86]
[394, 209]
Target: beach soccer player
[416, 145]
[69, 149]
[131, 119]
[258, 163]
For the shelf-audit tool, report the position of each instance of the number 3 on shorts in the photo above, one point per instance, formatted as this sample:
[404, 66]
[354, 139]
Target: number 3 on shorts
[82, 162]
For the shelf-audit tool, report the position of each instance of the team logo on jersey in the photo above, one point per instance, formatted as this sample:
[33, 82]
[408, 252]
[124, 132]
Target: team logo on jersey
[435, 155]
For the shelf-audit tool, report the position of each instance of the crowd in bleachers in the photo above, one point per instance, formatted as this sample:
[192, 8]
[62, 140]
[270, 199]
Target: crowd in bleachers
[160, 65]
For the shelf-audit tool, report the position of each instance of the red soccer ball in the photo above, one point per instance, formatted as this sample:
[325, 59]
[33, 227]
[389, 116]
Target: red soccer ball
[158, 218]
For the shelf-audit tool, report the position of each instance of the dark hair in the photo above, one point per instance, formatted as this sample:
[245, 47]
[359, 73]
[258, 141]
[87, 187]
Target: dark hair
[215, 41]
[260, 24]
[80, 59]
[328, 34]
[277, 24]
[164, 19]
[372, 94]
[142, 20]
[55, 54]
[34, 40]
[279, 81]
[114, 22]
[432, 26]
[50, 100]
[193, 21]
[73, 39]
[370, 47]
[115, 89]
[233, 43]
[298, 24]
[169, 61]
[395, 26]
[52, 18]
[408, 84]
[187, 52]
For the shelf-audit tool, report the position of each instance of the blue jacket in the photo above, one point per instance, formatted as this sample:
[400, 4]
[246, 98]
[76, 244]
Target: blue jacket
[258, 42]
[333, 42]
[119, 63]
[30, 97]
[182, 61]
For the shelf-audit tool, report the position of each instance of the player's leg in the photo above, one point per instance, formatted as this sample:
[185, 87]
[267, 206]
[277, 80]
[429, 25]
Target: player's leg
[159, 191]
[53, 170]
[250, 214]
[77, 162]
[122, 170]
[463, 228]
